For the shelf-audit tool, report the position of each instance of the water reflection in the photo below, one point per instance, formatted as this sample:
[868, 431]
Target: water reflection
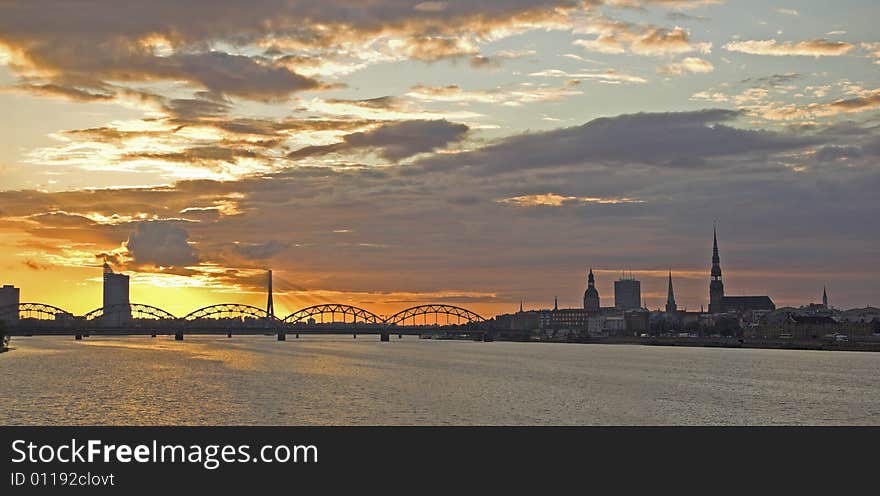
[334, 380]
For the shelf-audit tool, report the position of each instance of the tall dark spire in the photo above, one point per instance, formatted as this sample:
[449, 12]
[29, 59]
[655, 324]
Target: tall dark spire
[270, 306]
[716, 286]
[824, 297]
[670, 297]
[555, 303]
[591, 281]
[716, 260]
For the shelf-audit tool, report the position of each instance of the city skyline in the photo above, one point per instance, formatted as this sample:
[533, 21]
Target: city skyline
[403, 152]
[626, 295]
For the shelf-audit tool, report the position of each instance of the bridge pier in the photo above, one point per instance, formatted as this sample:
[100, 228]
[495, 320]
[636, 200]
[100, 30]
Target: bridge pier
[355, 335]
[178, 336]
[385, 337]
[297, 335]
[153, 334]
[78, 336]
[229, 334]
[400, 336]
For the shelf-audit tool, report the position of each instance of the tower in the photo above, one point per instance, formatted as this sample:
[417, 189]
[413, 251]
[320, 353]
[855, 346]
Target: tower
[627, 293]
[716, 286]
[591, 295]
[824, 298]
[270, 307]
[555, 303]
[670, 297]
[116, 297]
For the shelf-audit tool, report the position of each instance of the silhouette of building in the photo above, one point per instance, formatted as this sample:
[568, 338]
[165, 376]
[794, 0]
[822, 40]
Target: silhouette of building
[719, 303]
[671, 307]
[10, 297]
[825, 298]
[627, 293]
[591, 295]
[115, 297]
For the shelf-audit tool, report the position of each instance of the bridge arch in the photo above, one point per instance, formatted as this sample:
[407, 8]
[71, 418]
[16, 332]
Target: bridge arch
[230, 315]
[319, 312]
[35, 311]
[137, 311]
[454, 315]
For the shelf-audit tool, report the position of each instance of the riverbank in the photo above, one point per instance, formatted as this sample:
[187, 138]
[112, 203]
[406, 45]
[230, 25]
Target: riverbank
[780, 344]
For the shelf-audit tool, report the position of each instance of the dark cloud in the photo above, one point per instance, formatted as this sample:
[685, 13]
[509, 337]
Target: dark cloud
[162, 244]
[394, 141]
[69, 92]
[773, 80]
[194, 108]
[677, 139]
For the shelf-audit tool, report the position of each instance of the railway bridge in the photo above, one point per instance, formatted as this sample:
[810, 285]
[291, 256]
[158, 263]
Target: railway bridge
[36, 319]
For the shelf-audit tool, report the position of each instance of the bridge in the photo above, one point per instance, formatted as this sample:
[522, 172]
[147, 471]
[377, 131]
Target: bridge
[40, 319]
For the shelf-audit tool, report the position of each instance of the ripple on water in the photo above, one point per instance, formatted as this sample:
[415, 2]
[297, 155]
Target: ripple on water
[337, 381]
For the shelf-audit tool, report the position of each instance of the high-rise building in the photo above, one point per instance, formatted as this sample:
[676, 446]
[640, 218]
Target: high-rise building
[10, 297]
[627, 293]
[115, 297]
[671, 307]
[591, 295]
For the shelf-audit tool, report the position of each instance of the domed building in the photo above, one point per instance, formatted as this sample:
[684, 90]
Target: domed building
[591, 295]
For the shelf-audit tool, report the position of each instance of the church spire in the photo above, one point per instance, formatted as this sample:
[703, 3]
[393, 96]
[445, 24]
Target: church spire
[716, 260]
[670, 297]
[716, 287]
[824, 297]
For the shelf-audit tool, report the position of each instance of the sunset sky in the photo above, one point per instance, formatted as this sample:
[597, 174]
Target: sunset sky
[387, 153]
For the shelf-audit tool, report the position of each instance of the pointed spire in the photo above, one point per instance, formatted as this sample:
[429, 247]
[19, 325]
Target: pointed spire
[824, 297]
[670, 297]
[270, 306]
[520, 306]
[555, 303]
[716, 260]
[591, 281]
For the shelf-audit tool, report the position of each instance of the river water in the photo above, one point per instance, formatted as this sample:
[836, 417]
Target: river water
[208, 380]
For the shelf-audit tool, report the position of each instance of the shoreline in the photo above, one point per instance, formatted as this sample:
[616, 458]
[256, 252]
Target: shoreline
[809, 345]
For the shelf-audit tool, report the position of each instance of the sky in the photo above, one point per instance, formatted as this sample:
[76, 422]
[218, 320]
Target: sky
[390, 153]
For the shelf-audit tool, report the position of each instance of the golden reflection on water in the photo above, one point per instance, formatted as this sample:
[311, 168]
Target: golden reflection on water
[209, 380]
[248, 353]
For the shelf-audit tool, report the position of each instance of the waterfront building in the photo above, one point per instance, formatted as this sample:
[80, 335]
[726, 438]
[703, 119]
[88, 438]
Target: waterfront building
[719, 303]
[591, 295]
[10, 297]
[627, 293]
[116, 296]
